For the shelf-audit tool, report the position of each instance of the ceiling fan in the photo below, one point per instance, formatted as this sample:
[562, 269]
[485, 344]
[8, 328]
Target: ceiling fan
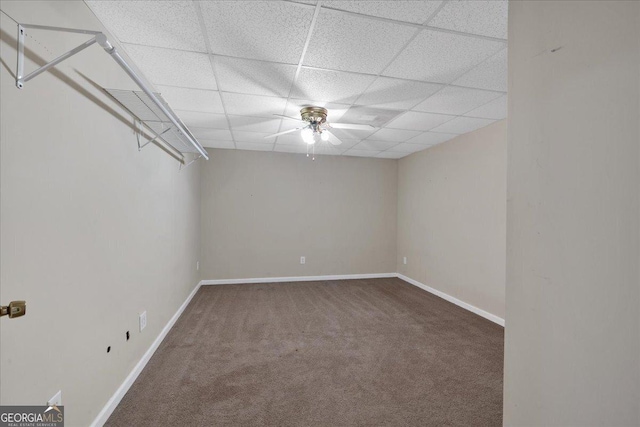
[315, 126]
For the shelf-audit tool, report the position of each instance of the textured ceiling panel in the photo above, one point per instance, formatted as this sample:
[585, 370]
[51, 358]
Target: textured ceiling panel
[253, 146]
[253, 105]
[441, 57]
[254, 77]
[244, 136]
[408, 148]
[416, 12]
[419, 121]
[392, 155]
[393, 135]
[456, 100]
[496, 109]
[386, 92]
[267, 30]
[373, 116]
[461, 125]
[212, 143]
[240, 68]
[173, 67]
[330, 86]
[211, 134]
[254, 124]
[432, 138]
[171, 24]
[486, 18]
[351, 134]
[178, 98]
[351, 43]
[203, 120]
[375, 145]
[491, 74]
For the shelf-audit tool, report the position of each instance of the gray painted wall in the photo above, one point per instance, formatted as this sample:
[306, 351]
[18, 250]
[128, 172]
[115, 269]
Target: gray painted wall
[572, 355]
[93, 232]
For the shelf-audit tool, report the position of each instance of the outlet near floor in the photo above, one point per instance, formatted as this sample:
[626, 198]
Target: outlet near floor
[303, 260]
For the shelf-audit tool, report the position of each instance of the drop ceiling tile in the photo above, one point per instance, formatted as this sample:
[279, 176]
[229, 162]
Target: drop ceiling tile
[483, 17]
[392, 155]
[361, 153]
[462, 125]
[253, 137]
[416, 12]
[386, 92]
[441, 57]
[254, 77]
[496, 109]
[418, 121]
[431, 138]
[211, 134]
[372, 116]
[347, 144]
[456, 100]
[211, 143]
[253, 105]
[408, 148]
[203, 120]
[254, 146]
[393, 135]
[330, 86]
[356, 135]
[375, 145]
[267, 30]
[254, 124]
[347, 42]
[491, 74]
[173, 67]
[170, 24]
[180, 98]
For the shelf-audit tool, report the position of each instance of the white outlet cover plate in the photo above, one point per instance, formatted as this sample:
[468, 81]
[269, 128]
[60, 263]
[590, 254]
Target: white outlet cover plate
[302, 260]
[143, 320]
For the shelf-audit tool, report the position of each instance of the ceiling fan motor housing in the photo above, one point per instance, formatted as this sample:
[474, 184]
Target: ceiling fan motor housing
[317, 115]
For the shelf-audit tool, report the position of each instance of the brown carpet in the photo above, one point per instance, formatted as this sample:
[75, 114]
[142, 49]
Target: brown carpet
[334, 353]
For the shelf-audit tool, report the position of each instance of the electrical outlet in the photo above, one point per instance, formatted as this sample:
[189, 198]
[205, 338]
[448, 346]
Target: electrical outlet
[56, 399]
[404, 260]
[303, 260]
[197, 265]
[143, 320]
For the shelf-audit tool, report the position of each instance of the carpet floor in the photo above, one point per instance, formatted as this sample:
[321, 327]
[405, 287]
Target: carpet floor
[332, 353]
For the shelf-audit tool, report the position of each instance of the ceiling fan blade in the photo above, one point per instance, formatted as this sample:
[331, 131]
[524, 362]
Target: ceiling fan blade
[287, 117]
[351, 126]
[334, 140]
[282, 133]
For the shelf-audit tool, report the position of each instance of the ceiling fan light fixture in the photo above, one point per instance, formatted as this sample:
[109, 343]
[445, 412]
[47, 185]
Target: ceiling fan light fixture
[307, 136]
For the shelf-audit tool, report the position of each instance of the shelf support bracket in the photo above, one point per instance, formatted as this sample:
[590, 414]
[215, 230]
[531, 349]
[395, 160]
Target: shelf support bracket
[149, 141]
[21, 79]
[189, 164]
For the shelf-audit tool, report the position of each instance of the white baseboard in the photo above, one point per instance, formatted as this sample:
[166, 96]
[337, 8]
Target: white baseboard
[298, 279]
[456, 301]
[111, 405]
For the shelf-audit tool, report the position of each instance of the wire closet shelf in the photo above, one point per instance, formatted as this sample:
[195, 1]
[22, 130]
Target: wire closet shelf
[149, 108]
